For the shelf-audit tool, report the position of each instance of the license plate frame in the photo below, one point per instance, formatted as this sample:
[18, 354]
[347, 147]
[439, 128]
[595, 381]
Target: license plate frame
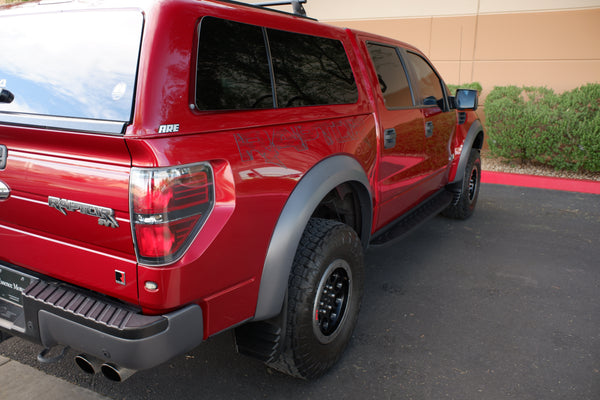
[12, 285]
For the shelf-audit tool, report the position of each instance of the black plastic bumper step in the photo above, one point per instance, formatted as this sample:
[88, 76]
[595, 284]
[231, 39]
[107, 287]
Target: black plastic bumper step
[109, 317]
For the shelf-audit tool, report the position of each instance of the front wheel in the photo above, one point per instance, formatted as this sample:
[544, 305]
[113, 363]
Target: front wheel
[466, 199]
[324, 295]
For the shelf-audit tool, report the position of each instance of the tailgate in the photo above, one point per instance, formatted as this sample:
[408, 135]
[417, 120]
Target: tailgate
[67, 214]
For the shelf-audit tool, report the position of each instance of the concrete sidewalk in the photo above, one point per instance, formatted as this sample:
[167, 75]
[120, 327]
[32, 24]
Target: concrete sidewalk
[21, 382]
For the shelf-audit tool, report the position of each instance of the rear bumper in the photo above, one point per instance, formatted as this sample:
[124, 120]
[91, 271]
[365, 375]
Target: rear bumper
[56, 314]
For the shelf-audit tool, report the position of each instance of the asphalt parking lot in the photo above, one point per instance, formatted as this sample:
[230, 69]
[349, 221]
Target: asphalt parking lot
[503, 305]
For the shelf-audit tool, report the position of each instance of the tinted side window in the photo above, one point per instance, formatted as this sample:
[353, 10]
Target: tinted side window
[392, 76]
[310, 70]
[429, 88]
[233, 68]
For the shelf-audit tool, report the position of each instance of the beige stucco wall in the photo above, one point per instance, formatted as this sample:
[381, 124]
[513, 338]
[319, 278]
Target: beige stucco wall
[559, 49]
[331, 10]
[554, 43]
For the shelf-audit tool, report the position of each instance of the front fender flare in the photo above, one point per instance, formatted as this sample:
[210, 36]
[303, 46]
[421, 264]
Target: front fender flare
[472, 135]
[301, 204]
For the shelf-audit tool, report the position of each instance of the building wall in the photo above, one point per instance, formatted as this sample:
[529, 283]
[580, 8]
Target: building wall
[554, 43]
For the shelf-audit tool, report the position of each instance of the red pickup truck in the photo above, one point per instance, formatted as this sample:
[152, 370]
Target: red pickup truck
[173, 169]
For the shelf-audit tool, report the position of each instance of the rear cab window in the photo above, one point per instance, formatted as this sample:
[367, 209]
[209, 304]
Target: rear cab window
[72, 70]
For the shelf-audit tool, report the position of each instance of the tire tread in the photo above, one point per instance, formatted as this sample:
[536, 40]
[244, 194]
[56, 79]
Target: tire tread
[297, 358]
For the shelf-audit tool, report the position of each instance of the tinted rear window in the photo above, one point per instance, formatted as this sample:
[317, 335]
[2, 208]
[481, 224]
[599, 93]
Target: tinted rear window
[71, 64]
[310, 70]
[233, 67]
[234, 72]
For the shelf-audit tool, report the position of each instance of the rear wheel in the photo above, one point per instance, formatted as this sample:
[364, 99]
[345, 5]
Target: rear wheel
[466, 199]
[324, 296]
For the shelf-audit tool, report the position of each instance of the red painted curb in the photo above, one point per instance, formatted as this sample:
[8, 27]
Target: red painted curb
[540, 182]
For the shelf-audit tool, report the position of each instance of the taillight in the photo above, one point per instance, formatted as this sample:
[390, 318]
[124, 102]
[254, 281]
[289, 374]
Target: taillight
[168, 208]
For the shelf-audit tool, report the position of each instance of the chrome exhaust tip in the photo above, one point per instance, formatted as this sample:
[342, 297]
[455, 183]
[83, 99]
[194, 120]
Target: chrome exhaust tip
[88, 364]
[115, 373]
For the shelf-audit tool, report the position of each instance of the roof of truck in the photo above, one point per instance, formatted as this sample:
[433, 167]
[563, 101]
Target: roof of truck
[146, 5]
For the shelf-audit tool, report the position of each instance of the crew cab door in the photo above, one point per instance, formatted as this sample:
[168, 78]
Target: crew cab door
[440, 122]
[404, 165]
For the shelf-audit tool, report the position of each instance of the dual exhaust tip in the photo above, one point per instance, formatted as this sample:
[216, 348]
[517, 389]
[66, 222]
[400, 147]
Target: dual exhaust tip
[92, 365]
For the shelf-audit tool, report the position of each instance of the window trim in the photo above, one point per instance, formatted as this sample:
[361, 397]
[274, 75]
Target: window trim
[271, 71]
[86, 125]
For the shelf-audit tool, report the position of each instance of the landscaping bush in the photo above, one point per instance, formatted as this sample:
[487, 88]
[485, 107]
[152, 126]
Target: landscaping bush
[472, 86]
[534, 124]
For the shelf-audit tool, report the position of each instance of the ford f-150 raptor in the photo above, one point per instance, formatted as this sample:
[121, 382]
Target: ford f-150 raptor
[173, 169]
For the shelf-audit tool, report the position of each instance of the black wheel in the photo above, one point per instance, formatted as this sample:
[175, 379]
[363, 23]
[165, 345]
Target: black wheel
[324, 296]
[465, 201]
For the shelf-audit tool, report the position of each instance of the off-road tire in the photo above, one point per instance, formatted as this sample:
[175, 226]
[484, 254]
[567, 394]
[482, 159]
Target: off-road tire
[324, 295]
[466, 199]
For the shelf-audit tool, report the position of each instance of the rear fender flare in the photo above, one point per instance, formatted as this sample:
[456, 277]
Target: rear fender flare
[301, 204]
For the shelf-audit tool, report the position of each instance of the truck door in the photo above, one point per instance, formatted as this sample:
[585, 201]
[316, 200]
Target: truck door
[440, 123]
[404, 165]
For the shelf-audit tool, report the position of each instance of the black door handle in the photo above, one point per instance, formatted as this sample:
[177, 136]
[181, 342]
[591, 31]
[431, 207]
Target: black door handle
[389, 138]
[429, 129]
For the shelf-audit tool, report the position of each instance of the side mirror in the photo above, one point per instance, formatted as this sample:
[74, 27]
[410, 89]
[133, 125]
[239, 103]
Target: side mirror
[465, 99]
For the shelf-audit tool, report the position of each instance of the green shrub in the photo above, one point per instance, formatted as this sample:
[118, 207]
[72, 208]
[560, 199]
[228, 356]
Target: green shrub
[534, 124]
[472, 85]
